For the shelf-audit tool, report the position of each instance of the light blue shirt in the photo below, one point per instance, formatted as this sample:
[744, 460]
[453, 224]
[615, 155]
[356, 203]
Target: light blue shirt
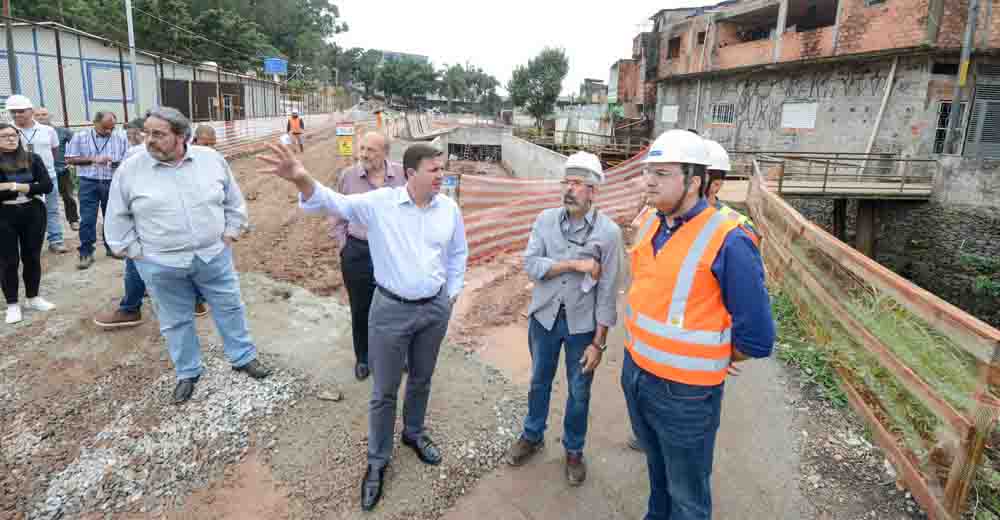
[170, 214]
[415, 251]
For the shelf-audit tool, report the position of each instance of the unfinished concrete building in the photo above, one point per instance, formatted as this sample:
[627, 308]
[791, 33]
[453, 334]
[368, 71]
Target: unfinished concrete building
[813, 74]
[855, 76]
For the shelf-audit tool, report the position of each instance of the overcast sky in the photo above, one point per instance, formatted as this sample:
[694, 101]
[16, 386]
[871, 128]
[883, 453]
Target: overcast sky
[501, 34]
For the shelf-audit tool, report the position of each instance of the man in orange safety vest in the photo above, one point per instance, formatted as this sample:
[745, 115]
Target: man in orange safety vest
[696, 306]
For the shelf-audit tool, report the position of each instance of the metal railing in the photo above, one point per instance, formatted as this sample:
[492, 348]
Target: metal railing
[855, 175]
[568, 141]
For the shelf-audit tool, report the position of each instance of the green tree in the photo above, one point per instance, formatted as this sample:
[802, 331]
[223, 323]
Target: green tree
[367, 70]
[536, 86]
[345, 62]
[407, 78]
[453, 84]
[234, 33]
[244, 44]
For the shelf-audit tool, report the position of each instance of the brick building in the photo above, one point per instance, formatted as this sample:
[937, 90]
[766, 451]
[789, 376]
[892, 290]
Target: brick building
[831, 75]
[594, 91]
[624, 87]
[812, 74]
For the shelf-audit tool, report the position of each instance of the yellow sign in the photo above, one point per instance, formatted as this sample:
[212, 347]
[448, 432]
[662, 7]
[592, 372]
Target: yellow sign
[345, 139]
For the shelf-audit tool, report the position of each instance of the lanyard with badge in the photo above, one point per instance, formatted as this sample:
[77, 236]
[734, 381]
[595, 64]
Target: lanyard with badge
[28, 140]
[93, 138]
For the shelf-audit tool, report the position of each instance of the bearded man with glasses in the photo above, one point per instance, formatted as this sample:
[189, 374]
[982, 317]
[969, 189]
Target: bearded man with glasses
[573, 257]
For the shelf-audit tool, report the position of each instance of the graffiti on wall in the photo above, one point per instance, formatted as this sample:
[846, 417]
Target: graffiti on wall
[758, 98]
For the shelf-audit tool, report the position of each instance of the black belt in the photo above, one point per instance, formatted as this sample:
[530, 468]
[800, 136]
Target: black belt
[400, 299]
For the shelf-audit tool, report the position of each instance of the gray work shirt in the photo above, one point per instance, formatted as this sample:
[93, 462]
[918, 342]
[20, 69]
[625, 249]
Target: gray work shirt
[169, 214]
[552, 241]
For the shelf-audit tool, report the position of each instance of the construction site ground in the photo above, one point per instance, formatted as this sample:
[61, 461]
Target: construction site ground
[88, 431]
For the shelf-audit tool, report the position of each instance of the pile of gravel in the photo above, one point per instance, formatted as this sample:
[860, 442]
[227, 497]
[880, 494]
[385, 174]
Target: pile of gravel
[153, 454]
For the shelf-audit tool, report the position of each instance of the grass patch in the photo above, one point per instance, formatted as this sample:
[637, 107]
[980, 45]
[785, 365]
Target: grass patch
[795, 348]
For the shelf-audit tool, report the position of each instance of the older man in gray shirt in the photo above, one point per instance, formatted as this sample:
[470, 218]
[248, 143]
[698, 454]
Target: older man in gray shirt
[176, 210]
[573, 256]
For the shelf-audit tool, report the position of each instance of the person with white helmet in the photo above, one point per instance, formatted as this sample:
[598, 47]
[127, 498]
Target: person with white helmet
[719, 166]
[696, 305]
[42, 140]
[573, 258]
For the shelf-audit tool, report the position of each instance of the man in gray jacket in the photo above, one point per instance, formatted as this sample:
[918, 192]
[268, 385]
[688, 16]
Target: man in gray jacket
[176, 211]
[573, 256]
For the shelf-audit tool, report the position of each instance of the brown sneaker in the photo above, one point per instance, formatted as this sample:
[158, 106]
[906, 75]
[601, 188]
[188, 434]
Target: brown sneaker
[576, 469]
[118, 319]
[521, 451]
[200, 309]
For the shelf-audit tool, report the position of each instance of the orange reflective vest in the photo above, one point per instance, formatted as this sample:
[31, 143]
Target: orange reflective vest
[676, 325]
[295, 124]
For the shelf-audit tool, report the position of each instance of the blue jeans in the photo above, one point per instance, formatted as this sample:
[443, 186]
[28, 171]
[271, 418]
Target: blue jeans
[173, 291]
[135, 290]
[676, 425]
[545, 346]
[54, 223]
[93, 196]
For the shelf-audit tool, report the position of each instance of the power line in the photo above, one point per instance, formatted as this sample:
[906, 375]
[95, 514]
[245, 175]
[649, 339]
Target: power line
[196, 35]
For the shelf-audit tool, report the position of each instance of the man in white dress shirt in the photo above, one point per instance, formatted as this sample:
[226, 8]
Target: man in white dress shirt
[419, 252]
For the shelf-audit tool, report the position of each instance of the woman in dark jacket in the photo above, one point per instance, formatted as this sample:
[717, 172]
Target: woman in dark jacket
[23, 183]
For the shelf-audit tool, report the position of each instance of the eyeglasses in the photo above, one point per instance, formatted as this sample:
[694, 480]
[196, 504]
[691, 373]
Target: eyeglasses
[9, 137]
[661, 172]
[19, 110]
[156, 135]
[572, 183]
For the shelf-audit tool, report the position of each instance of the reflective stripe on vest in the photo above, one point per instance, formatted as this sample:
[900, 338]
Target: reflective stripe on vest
[685, 279]
[706, 352]
[693, 364]
[744, 221]
[646, 224]
[665, 330]
[741, 218]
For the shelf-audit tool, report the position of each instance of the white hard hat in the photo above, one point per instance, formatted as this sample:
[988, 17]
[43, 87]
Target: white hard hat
[718, 158]
[678, 146]
[19, 102]
[588, 162]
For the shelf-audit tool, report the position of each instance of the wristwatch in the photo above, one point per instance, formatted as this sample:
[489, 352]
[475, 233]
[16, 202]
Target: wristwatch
[602, 348]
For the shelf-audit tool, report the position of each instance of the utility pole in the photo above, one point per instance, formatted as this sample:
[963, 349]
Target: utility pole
[963, 74]
[136, 91]
[15, 86]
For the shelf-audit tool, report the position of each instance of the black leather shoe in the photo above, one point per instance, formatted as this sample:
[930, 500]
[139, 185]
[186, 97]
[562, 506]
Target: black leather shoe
[425, 448]
[184, 390]
[361, 371]
[371, 488]
[254, 369]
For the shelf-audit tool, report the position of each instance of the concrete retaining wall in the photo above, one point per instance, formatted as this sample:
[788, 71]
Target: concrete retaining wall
[529, 161]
